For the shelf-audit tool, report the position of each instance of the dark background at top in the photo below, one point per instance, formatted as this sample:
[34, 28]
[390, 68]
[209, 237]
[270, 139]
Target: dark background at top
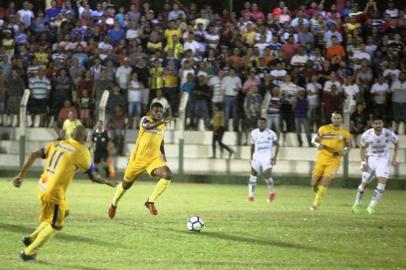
[217, 5]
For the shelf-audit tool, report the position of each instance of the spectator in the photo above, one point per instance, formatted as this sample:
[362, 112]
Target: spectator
[201, 97]
[358, 123]
[15, 90]
[273, 112]
[312, 92]
[218, 132]
[232, 86]
[331, 102]
[118, 125]
[115, 99]
[399, 101]
[69, 125]
[252, 110]
[301, 107]
[40, 88]
[380, 90]
[85, 104]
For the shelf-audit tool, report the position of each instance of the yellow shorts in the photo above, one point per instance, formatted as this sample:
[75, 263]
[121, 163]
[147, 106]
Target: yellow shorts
[136, 167]
[53, 214]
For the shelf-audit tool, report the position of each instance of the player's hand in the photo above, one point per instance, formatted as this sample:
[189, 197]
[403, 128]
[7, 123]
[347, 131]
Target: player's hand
[273, 161]
[320, 147]
[394, 162]
[364, 167]
[17, 181]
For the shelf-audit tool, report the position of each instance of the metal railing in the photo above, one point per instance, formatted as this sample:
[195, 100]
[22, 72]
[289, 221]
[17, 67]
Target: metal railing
[23, 117]
[102, 105]
[181, 126]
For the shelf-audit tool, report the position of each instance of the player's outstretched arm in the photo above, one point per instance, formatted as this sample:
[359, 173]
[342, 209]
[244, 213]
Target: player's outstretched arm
[18, 179]
[94, 176]
[364, 164]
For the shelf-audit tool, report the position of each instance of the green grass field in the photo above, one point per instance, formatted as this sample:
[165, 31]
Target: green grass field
[237, 235]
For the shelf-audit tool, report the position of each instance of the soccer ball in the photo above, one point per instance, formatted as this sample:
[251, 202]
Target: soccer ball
[195, 224]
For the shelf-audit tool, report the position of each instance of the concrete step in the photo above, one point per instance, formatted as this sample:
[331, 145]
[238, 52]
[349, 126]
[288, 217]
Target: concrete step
[205, 151]
[233, 166]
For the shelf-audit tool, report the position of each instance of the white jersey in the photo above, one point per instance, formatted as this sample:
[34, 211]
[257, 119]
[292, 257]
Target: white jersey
[263, 142]
[378, 146]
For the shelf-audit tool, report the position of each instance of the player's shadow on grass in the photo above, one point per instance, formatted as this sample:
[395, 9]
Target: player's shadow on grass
[248, 240]
[23, 229]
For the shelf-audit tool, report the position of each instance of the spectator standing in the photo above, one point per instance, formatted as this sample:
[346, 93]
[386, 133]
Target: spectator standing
[218, 132]
[232, 86]
[301, 107]
[399, 101]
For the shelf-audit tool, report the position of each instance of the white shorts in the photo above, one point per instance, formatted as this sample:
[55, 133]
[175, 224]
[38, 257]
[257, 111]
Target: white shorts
[377, 167]
[261, 165]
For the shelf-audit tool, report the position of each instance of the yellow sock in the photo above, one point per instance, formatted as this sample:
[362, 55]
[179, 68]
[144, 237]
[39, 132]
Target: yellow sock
[321, 192]
[119, 193]
[43, 236]
[159, 188]
[34, 235]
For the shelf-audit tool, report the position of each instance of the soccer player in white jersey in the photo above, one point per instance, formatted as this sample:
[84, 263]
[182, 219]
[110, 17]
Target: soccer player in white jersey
[376, 162]
[262, 140]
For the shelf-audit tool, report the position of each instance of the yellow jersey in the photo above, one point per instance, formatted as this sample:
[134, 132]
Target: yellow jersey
[62, 160]
[334, 140]
[148, 145]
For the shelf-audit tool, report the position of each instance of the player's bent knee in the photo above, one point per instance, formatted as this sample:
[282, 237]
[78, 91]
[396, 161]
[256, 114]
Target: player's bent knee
[58, 228]
[167, 174]
[126, 185]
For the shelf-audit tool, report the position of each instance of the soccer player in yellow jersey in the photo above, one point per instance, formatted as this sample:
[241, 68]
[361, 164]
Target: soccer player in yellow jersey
[62, 160]
[149, 156]
[333, 142]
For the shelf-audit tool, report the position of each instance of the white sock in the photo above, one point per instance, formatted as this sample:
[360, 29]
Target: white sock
[360, 194]
[251, 185]
[270, 184]
[377, 194]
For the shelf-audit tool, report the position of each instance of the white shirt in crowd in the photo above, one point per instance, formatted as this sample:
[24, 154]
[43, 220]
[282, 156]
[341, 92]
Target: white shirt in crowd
[328, 84]
[231, 85]
[380, 91]
[277, 74]
[134, 91]
[216, 84]
[314, 98]
[123, 75]
[350, 91]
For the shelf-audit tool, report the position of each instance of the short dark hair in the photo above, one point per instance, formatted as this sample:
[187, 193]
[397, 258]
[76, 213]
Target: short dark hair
[262, 118]
[156, 105]
[377, 117]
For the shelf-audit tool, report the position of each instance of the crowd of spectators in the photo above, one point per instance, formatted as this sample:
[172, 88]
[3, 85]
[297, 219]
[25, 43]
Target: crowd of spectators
[312, 59]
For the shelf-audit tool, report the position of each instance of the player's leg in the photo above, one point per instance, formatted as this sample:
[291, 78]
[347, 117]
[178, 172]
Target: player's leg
[367, 177]
[133, 170]
[317, 173]
[321, 191]
[382, 173]
[52, 217]
[165, 175]
[255, 168]
[270, 184]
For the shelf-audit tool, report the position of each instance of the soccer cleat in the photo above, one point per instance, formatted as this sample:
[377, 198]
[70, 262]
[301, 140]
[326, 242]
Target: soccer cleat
[250, 198]
[271, 197]
[112, 211]
[151, 208]
[26, 257]
[371, 210]
[314, 208]
[26, 240]
[356, 208]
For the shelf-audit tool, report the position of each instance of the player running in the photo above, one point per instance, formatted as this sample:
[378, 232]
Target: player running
[374, 153]
[262, 140]
[149, 156]
[333, 142]
[62, 160]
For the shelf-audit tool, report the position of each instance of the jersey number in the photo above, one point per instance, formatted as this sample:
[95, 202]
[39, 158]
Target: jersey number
[53, 162]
